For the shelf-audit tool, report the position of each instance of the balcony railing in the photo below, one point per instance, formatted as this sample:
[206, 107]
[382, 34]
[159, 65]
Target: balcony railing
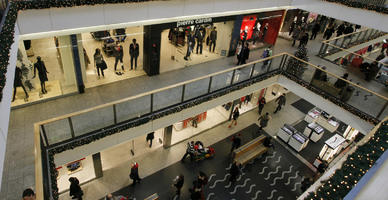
[80, 128]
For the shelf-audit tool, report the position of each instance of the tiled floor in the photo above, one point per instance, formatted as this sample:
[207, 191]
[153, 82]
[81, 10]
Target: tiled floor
[19, 161]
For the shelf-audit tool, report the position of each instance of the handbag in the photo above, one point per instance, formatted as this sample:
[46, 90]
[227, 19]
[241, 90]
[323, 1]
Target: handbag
[103, 65]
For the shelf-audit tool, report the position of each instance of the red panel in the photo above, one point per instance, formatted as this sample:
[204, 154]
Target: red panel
[247, 24]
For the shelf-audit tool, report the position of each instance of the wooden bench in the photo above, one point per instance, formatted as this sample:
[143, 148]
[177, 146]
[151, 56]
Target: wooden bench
[326, 86]
[250, 150]
[153, 197]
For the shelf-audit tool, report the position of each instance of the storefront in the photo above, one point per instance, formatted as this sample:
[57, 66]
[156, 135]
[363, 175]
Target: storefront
[69, 63]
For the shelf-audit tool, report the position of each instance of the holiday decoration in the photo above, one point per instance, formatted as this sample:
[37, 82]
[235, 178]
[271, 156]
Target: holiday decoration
[356, 165]
[362, 5]
[296, 67]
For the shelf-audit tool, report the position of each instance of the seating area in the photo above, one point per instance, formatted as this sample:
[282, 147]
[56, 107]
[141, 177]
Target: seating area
[250, 150]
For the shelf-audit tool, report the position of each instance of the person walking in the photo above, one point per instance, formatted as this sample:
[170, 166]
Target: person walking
[189, 151]
[213, 39]
[244, 54]
[268, 142]
[134, 175]
[178, 184]
[99, 62]
[134, 52]
[236, 114]
[150, 137]
[236, 142]
[238, 52]
[75, 190]
[118, 53]
[315, 31]
[29, 194]
[234, 172]
[262, 102]
[264, 119]
[281, 102]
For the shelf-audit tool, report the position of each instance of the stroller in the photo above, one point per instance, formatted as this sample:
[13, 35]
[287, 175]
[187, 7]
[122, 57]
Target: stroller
[202, 152]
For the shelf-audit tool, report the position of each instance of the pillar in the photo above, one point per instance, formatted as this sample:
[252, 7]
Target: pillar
[97, 164]
[235, 35]
[77, 63]
[66, 60]
[167, 136]
[151, 50]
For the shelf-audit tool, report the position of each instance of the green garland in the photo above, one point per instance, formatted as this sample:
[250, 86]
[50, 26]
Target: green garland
[352, 170]
[361, 5]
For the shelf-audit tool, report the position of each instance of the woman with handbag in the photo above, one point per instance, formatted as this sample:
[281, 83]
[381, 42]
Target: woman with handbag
[99, 62]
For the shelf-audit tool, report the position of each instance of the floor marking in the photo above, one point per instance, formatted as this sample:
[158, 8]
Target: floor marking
[297, 183]
[217, 181]
[294, 177]
[262, 171]
[272, 193]
[250, 188]
[210, 178]
[256, 195]
[240, 186]
[228, 168]
[208, 196]
[274, 172]
[228, 186]
[280, 197]
[278, 159]
[266, 158]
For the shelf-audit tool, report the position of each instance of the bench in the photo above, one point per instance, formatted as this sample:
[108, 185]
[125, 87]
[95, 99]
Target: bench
[250, 150]
[327, 87]
[153, 197]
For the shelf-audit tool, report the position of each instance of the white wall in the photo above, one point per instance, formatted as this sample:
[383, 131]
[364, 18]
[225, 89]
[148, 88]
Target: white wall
[101, 17]
[5, 104]
[362, 17]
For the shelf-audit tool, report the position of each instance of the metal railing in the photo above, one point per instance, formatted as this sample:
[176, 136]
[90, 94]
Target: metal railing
[336, 44]
[74, 127]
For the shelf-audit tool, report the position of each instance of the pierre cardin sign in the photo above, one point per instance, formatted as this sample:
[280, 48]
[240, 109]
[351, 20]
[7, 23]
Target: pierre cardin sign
[193, 22]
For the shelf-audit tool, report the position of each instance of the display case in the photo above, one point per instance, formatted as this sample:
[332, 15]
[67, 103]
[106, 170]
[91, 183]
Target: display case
[332, 146]
[312, 115]
[286, 132]
[313, 131]
[298, 141]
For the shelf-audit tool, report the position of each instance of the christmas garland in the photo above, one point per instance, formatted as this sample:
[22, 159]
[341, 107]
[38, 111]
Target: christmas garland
[355, 166]
[362, 5]
[8, 27]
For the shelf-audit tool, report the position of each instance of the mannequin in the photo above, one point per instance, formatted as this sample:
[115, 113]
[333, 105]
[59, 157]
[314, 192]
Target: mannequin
[265, 29]
[293, 24]
[42, 72]
[256, 32]
[18, 83]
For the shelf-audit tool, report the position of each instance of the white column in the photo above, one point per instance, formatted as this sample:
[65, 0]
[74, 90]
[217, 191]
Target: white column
[66, 55]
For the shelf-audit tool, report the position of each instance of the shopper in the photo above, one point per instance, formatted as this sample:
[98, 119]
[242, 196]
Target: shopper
[189, 151]
[149, 138]
[42, 73]
[340, 29]
[244, 54]
[264, 119]
[262, 102]
[236, 142]
[315, 31]
[268, 142]
[329, 32]
[196, 191]
[281, 102]
[178, 184]
[134, 175]
[235, 116]
[200, 36]
[118, 53]
[213, 39]
[296, 35]
[75, 190]
[304, 39]
[28, 194]
[341, 83]
[99, 62]
[238, 52]
[134, 52]
[18, 82]
[190, 41]
[234, 172]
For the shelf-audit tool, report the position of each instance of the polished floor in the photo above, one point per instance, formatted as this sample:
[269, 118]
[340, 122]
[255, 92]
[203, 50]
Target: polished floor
[19, 160]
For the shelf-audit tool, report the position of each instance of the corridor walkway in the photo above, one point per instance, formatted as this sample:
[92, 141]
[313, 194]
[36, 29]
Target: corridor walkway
[19, 160]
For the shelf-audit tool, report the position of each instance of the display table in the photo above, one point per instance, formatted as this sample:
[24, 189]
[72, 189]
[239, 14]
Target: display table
[332, 146]
[298, 141]
[312, 115]
[313, 131]
[322, 118]
[286, 132]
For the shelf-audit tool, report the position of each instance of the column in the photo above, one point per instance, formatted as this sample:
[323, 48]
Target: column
[235, 35]
[151, 50]
[97, 164]
[167, 136]
[66, 58]
[77, 63]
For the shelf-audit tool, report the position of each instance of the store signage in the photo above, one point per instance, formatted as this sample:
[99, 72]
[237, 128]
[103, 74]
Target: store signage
[193, 22]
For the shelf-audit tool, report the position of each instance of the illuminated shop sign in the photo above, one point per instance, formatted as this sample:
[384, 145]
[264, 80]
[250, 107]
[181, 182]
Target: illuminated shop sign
[193, 22]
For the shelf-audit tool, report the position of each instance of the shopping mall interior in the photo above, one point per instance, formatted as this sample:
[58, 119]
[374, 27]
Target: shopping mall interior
[285, 101]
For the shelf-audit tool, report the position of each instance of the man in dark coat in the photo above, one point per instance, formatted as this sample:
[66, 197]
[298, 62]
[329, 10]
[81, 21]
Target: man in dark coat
[75, 189]
[234, 172]
[178, 184]
[262, 102]
[304, 39]
[200, 36]
[245, 53]
[236, 142]
[213, 39]
[150, 137]
[281, 102]
[340, 29]
[315, 31]
[134, 52]
[134, 175]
